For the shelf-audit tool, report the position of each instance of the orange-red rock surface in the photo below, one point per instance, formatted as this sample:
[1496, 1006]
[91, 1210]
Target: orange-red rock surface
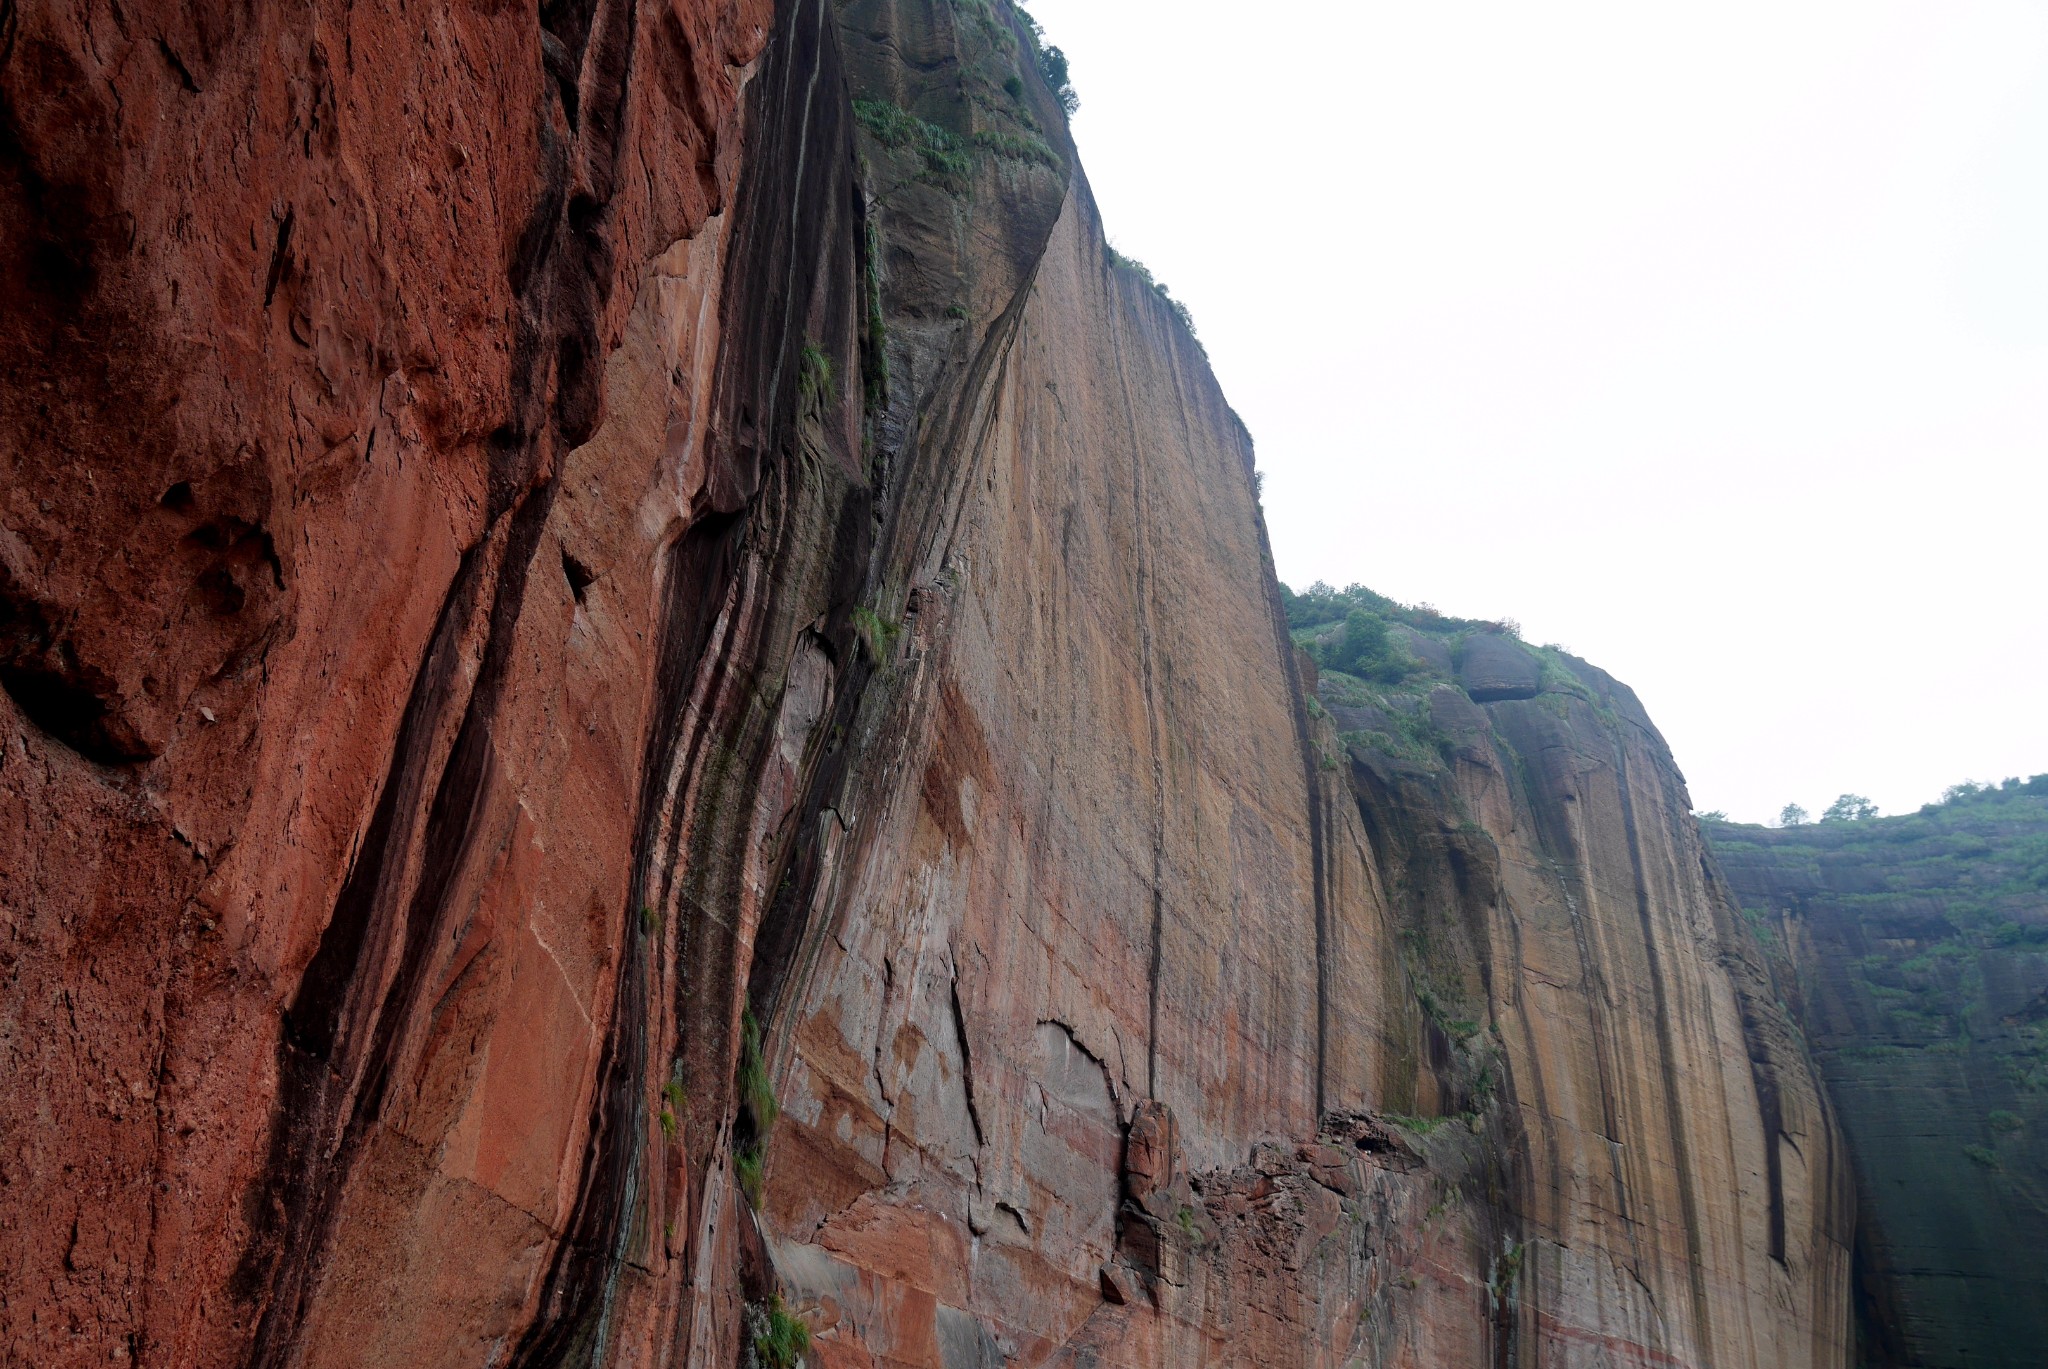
[528, 536]
[352, 358]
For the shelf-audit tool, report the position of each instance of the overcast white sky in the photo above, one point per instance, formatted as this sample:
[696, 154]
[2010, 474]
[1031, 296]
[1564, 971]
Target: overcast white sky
[1709, 341]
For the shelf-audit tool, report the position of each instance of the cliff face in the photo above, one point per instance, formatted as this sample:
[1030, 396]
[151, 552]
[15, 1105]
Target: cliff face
[1914, 951]
[638, 676]
[1662, 1165]
[359, 388]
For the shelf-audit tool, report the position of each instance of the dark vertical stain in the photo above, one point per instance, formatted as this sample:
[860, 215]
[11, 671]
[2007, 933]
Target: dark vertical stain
[340, 1045]
[788, 241]
[1763, 1074]
[313, 1021]
[344, 1043]
[1772, 1111]
[280, 254]
[586, 1264]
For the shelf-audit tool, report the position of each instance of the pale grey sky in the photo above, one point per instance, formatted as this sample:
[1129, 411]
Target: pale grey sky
[1709, 341]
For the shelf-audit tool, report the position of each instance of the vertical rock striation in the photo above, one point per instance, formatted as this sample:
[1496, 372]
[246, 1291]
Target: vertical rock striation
[356, 416]
[641, 678]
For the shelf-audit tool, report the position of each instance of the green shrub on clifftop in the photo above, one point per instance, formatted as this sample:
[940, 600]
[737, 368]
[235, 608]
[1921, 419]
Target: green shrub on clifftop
[1157, 287]
[1365, 649]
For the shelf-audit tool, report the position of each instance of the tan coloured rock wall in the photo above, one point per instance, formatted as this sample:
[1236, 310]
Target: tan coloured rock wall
[1107, 783]
[1116, 866]
[1679, 1186]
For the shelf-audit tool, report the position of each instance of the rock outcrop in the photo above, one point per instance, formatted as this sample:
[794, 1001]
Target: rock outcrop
[640, 679]
[1914, 951]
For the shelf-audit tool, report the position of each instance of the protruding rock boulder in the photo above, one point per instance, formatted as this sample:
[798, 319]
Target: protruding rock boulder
[1495, 668]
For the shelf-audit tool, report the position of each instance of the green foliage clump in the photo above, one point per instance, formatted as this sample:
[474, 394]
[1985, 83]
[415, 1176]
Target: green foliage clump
[948, 164]
[1019, 147]
[1508, 1271]
[877, 633]
[673, 1096]
[1411, 733]
[749, 1165]
[1319, 606]
[1052, 65]
[758, 1111]
[2032, 857]
[2005, 1123]
[874, 347]
[1850, 808]
[1365, 648]
[1982, 1156]
[814, 375]
[1972, 792]
[757, 1093]
[779, 1340]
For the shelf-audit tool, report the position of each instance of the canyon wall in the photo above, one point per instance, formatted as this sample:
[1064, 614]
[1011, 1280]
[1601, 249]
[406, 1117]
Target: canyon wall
[1914, 952]
[640, 679]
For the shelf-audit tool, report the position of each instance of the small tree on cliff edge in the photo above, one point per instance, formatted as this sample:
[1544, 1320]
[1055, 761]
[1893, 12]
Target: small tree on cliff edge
[1792, 816]
[1850, 808]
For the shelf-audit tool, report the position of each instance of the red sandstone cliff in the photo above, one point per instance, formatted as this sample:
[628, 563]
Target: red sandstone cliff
[529, 535]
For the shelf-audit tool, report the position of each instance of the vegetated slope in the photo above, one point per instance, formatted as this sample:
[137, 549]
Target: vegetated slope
[645, 708]
[1914, 951]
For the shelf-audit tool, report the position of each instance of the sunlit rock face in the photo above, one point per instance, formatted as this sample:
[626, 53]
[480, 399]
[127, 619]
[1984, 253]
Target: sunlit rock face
[1914, 951]
[640, 679]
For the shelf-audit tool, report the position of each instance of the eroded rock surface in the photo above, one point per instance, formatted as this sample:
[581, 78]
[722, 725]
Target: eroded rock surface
[640, 677]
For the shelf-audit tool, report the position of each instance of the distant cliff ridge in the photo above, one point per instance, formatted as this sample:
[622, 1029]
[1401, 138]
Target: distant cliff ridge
[647, 723]
[1914, 952]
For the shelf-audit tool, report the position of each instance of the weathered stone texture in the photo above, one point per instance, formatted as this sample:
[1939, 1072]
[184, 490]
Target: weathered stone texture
[328, 600]
[1129, 892]
[1672, 1166]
